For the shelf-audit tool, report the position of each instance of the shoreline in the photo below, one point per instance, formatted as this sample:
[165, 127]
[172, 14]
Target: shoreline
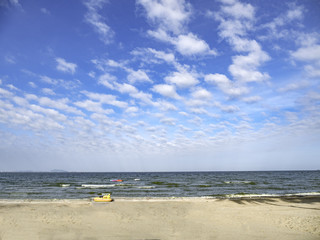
[161, 199]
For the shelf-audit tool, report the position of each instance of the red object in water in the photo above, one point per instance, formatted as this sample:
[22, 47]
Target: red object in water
[116, 180]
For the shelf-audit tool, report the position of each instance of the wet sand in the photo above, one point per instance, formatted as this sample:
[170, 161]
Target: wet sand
[182, 218]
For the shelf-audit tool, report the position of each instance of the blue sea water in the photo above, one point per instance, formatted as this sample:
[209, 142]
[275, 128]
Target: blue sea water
[77, 185]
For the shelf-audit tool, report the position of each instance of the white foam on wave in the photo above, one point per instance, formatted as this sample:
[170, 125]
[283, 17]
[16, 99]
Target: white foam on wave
[146, 187]
[97, 185]
[251, 195]
[65, 185]
[237, 182]
[304, 194]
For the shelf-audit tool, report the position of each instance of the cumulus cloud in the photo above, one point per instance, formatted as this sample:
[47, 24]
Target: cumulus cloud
[165, 106]
[170, 18]
[145, 98]
[238, 10]
[251, 99]
[182, 79]
[278, 27]
[201, 93]
[166, 90]
[168, 121]
[236, 19]
[92, 106]
[132, 109]
[105, 99]
[65, 66]
[61, 104]
[226, 85]
[48, 91]
[309, 52]
[190, 44]
[168, 15]
[107, 80]
[150, 55]
[138, 76]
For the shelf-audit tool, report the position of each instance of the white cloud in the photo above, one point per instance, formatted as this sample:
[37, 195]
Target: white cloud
[167, 57]
[309, 53]
[51, 113]
[182, 79]
[171, 18]
[161, 35]
[227, 108]
[279, 27]
[197, 102]
[61, 104]
[224, 84]
[199, 111]
[239, 10]
[65, 66]
[10, 59]
[134, 92]
[48, 91]
[126, 88]
[60, 82]
[105, 99]
[169, 15]
[190, 44]
[32, 84]
[166, 90]
[166, 106]
[294, 86]
[45, 11]
[11, 87]
[150, 55]
[168, 121]
[49, 80]
[252, 99]
[5, 93]
[144, 97]
[236, 19]
[107, 80]
[132, 110]
[95, 107]
[201, 93]
[20, 101]
[138, 76]
[96, 20]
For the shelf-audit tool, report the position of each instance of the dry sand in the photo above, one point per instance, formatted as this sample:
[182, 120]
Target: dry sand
[197, 218]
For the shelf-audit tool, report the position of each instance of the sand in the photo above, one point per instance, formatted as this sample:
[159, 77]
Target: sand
[189, 218]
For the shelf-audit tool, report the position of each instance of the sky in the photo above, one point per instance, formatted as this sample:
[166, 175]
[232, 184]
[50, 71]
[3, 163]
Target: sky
[159, 85]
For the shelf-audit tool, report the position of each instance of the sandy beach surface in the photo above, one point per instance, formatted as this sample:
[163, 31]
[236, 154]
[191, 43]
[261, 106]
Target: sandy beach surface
[183, 218]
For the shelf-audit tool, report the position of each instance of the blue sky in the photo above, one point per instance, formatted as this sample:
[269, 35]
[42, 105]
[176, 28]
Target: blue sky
[159, 85]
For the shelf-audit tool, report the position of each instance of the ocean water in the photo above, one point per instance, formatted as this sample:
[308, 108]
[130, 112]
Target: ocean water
[165, 184]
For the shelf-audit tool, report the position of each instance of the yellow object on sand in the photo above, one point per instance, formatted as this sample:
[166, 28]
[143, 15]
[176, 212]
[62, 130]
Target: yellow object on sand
[105, 198]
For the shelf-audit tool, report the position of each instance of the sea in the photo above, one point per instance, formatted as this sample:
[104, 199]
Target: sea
[78, 185]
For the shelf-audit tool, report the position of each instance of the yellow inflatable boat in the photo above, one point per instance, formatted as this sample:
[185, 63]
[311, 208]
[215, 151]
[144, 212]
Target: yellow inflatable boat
[105, 198]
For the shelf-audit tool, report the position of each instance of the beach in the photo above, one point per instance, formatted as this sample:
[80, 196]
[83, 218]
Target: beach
[162, 218]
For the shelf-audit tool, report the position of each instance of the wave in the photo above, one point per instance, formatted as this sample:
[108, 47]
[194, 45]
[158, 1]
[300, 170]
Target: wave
[266, 195]
[125, 185]
[305, 194]
[97, 185]
[240, 182]
[146, 187]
